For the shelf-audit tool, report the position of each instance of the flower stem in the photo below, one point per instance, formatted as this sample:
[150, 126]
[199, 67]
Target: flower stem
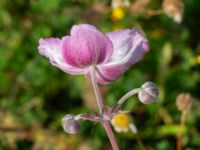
[110, 135]
[96, 91]
[100, 104]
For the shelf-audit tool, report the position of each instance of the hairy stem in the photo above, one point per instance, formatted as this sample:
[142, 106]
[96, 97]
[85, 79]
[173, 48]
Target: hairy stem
[96, 91]
[110, 135]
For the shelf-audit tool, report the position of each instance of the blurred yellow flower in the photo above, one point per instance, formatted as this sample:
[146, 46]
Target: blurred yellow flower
[117, 14]
[198, 59]
[195, 60]
[122, 122]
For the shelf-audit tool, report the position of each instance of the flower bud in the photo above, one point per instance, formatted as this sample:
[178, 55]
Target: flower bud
[148, 93]
[70, 125]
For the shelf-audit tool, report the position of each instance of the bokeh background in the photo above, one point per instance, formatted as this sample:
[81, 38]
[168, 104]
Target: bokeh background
[34, 95]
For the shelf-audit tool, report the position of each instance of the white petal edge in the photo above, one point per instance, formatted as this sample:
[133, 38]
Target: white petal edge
[51, 48]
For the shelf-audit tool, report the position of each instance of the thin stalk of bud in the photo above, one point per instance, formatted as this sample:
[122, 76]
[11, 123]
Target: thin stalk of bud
[124, 98]
[146, 94]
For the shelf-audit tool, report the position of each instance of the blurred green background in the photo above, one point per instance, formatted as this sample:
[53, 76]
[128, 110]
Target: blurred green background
[34, 95]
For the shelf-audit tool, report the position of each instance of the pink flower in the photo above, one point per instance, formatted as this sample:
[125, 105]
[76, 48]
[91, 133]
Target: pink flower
[111, 53]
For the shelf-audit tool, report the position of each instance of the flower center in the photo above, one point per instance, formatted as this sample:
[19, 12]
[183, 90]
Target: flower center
[121, 120]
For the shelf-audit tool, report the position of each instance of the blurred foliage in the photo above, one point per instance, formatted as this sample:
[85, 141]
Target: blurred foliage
[34, 95]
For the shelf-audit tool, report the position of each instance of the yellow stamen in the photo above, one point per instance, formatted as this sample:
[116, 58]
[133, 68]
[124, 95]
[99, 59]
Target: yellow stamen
[121, 120]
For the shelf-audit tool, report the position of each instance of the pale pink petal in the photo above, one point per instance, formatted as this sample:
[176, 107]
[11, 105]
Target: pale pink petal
[87, 46]
[51, 48]
[109, 73]
[47, 47]
[129, 46]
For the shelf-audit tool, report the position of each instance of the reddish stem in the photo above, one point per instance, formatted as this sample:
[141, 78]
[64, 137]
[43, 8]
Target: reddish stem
[110, 135]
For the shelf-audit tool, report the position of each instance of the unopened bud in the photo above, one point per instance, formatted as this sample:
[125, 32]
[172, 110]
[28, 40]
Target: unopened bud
[70, 125]
[184, 101]
[148, 93]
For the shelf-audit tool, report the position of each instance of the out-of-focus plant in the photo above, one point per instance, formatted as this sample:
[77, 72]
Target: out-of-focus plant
[183, 103]
[174, 9]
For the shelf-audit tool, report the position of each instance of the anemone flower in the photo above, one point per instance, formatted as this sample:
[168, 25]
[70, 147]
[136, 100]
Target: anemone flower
[110, 54]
